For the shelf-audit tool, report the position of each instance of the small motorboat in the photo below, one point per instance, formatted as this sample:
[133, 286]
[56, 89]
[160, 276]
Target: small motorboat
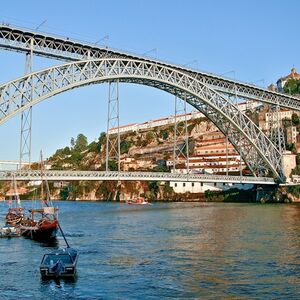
[139, 201]
[10, 231]
[60, 263]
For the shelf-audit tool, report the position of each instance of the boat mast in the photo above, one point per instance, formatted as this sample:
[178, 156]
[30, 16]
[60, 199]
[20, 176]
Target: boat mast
[48, 199]
[17, 196]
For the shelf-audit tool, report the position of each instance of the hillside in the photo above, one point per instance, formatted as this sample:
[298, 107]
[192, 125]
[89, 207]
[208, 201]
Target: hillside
[146, 150]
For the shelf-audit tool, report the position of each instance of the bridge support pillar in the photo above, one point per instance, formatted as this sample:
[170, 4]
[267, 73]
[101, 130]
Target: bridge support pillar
[26, 118]
[113, 121]
[181, 135]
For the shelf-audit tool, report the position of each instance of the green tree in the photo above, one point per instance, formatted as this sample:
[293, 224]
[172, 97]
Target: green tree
[154, 188]
[102, 138]
[112, 165]
[291, 147]
[93, 147]
[295, 119]
[76, 158]
[64, 193]
[81, 142]
[292, 86]
[149, 137]
[124, 146]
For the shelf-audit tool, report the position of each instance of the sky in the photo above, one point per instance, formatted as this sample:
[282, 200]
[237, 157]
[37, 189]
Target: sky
[253, 41]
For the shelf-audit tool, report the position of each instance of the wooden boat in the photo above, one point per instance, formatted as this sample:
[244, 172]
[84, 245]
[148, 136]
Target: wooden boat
[60, 263]
[43, 228]
[139, 201]
[15, 212]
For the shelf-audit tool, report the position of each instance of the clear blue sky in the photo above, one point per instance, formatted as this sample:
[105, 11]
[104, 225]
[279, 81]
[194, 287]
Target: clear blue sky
[258, 40]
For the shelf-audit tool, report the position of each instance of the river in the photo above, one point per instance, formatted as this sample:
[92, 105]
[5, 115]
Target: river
[167, 250]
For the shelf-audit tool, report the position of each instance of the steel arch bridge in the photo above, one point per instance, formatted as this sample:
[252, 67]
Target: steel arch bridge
[91, 64]
[253, 145]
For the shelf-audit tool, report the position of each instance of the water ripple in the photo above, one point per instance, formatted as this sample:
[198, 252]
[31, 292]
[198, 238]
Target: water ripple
[176, 251]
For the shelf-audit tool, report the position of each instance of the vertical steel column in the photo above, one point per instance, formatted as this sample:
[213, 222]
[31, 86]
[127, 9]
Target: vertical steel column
[241, 171]
[226, 156]
[275, 127]
[180, 134]
[280, 131]
[113, 121]
[26, 118]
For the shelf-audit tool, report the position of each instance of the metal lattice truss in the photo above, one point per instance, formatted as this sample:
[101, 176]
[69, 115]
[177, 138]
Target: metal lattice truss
[23, 40]
[252, 144]
[276, 131]
[113, 121]
[181, 137]
[53, 175]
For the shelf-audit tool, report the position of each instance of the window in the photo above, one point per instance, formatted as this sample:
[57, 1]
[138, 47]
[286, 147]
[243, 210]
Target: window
[183, 184]
[201, 183]
[175, 184]
[192, 184]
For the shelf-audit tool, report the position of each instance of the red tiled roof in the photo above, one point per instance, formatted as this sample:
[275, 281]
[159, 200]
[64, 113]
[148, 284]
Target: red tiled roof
[293, 74]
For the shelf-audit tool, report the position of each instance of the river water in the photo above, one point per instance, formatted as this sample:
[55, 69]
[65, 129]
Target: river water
[176, 251]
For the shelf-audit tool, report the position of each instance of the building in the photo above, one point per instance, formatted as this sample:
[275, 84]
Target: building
[202, 187]
[289, 163]
[155, 123]
[212, 155]
[291, 135]
[268, 117]
[60, 184]
[275, 117]
[135, 127]
[283, 80]
[130, 164]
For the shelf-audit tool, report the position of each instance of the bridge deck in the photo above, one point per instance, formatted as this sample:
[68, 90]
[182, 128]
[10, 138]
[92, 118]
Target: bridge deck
[52, 175]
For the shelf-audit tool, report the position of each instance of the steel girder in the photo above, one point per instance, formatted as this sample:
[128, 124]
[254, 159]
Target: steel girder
[53, 175]
[21, 40]
[252, 144]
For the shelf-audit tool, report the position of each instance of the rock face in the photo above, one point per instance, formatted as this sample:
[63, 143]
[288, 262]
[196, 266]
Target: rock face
[293, 198]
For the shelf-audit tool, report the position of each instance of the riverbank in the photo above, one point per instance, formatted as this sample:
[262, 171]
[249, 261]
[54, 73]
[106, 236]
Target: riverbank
[159, 192]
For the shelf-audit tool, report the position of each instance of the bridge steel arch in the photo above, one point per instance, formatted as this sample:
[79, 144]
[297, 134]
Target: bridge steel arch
[252, 144]
[55, 47]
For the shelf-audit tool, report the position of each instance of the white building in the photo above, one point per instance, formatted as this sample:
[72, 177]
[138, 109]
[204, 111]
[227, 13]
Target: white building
[201, 187]
[274, 117]
[135, 127]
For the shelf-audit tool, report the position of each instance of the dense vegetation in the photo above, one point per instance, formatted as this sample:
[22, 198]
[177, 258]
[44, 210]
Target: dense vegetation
[292, 87]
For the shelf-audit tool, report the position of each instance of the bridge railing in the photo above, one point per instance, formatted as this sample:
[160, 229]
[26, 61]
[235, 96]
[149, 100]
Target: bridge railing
[114, 175]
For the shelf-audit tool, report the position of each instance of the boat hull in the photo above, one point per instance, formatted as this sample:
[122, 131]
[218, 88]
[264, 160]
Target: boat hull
[40, 233]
